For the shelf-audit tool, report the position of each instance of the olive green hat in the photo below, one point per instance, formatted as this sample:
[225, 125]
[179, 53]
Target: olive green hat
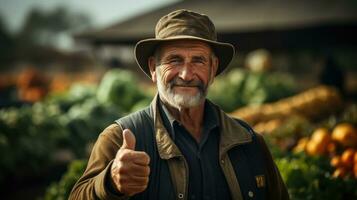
[183, 24]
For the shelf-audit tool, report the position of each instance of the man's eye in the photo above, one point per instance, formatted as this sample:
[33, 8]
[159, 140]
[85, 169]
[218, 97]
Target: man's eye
[201, 62]
[174, 61]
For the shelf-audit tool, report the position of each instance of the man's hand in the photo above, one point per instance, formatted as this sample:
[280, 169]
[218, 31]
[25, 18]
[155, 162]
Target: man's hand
[130, 170]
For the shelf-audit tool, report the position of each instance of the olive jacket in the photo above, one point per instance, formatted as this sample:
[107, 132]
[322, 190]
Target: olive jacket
[244, 158]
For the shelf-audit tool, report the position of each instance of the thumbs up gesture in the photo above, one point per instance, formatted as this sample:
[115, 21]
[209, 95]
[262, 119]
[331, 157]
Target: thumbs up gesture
[130, 169]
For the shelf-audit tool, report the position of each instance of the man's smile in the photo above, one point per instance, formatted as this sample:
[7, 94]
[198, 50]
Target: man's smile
[188, 86]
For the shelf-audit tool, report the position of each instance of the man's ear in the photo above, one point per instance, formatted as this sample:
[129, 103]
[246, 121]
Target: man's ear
[215, 63]
[152, 68]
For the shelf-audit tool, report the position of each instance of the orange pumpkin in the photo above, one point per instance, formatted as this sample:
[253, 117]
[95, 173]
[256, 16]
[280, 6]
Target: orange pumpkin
[339, 173]
[319, 141]
[336, 161]
[345, 134]
[347, 158]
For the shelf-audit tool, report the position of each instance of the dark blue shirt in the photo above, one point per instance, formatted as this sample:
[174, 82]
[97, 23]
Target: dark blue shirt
[206, 178]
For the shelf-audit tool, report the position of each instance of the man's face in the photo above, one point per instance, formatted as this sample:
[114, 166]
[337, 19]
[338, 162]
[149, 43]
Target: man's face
[183, 71]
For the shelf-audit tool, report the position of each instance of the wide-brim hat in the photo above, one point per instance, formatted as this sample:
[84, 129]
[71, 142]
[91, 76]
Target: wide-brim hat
[179, 25]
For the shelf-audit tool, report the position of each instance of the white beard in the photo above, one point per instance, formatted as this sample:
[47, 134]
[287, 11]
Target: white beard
[178, 100]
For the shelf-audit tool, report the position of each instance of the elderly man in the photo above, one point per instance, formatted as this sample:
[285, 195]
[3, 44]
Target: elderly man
[182, 146]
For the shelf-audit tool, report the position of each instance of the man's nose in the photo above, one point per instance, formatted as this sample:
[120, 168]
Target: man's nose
[186, 72]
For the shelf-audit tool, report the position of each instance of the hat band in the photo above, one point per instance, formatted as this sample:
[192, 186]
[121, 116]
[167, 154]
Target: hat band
[185, 30]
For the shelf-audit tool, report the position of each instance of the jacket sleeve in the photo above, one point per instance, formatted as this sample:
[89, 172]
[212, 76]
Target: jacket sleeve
[276, 186]
[95, 182]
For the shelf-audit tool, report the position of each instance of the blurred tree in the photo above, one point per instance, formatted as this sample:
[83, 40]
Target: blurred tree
[44, 28]
[41, 38]
[6, 42]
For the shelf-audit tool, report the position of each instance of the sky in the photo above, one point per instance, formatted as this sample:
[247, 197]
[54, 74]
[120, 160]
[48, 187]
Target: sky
[102, 12]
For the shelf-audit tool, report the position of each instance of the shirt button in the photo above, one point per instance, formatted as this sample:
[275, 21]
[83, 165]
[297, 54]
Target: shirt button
[222, 161]
[180, 196]
[250, 194]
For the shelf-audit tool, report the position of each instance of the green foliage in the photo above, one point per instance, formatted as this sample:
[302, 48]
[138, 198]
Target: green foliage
[85, 121]
[309, 178]
[27, 135]
[77, 94]
[119, 88]
[226, 91]
[241, 88]
[62, 189]
[31, 136]
[141, 104]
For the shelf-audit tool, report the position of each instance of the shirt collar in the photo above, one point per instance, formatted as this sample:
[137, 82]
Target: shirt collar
[232, 133]
[210, 118]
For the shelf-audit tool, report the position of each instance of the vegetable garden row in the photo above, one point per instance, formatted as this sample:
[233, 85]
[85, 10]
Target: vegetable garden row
[312, 133]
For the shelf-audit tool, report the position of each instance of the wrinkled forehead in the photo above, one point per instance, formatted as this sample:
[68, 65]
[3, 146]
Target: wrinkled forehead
[184, 45]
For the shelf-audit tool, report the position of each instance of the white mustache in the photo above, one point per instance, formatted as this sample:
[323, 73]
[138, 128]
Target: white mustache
[182, 83]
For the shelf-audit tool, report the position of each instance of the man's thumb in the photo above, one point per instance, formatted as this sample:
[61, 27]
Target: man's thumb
[128, 140]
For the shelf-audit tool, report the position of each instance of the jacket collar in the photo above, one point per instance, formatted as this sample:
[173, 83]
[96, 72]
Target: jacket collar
[165, 145]
[232, 134]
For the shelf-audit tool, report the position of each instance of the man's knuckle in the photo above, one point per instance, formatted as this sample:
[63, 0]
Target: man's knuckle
[143, 181]
[122, 169]
[122, 156]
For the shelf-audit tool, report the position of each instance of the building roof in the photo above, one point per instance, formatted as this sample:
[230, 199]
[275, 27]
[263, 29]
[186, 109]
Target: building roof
[238, 17]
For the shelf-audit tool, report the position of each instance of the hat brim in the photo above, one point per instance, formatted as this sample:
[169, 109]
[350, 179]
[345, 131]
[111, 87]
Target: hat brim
[145, 48]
